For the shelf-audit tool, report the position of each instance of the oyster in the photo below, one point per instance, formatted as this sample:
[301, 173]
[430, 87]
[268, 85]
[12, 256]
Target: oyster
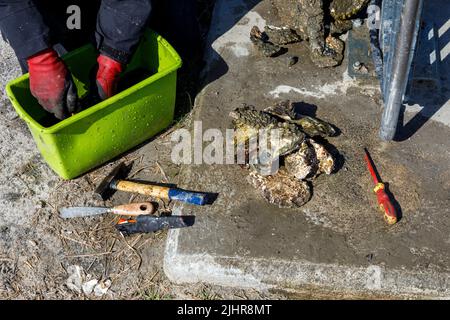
[302, 163]
[311, 126]
[303, 157]
[248, 122]
[346, 9]
[281, 189]
[331, 55]
[307, 19]
[343, 10]
[281, 35]
[309, 161]
[338, 27]
[326, 161]
[261, 41]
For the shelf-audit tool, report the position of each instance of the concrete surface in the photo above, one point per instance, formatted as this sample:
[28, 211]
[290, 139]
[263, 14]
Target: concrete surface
[337, 243]
[37, 248]
[17, 146]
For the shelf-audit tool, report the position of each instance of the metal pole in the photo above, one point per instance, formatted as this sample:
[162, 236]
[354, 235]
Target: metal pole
[404, 45]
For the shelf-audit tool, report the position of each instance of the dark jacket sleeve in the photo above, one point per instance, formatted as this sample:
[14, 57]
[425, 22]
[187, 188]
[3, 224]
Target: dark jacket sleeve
[120, 24]
[23, 27]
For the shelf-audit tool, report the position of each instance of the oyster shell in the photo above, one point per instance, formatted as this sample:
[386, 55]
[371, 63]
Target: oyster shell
[325, 159]
[261, 41]
[311, 126]
[303, 157]
[338, 27]
[302, 163]
[331, 54]
[248, 122]
[281, 189]
[309, 161]
[306, 18]
[345, 9]
[281, 35]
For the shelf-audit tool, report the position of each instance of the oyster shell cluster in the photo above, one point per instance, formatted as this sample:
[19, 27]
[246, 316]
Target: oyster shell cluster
[318, 21]
[301, 157]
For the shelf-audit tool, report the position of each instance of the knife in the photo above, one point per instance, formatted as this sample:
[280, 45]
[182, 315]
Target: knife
[133, 209]
[147, 224]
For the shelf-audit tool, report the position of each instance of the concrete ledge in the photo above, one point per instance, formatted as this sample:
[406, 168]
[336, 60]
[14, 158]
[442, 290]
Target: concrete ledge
[269, 274]
[337, 244]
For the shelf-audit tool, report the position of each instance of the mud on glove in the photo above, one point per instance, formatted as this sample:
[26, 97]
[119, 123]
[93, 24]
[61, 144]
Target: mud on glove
[51, 84]
[107, 76]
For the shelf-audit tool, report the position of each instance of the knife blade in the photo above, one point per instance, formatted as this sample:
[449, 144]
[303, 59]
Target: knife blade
[133, 209]
[77, 212]
[147, 224]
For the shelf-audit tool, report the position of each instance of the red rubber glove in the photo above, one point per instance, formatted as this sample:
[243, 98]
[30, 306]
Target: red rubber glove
[51, 84]
[107, 76]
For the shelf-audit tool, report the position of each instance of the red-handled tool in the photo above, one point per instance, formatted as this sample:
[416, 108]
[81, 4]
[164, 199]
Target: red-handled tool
[384, 202]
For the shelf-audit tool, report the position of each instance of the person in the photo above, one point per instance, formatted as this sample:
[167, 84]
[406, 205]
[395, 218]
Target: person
[30, 28]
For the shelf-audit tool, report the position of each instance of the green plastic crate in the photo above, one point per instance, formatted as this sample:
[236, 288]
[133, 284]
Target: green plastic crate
[110, 128]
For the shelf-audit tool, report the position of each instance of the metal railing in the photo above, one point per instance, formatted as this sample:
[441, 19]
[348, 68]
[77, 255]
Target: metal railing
[400, 23]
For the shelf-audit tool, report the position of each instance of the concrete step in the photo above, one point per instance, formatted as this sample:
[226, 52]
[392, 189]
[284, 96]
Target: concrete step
[337, 243]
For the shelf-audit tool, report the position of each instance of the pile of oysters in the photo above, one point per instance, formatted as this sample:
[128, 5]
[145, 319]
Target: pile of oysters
[320, 22]
[300, 158]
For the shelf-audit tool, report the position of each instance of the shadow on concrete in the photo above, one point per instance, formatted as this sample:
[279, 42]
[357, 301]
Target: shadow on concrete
[395, 203]
[218, 67]
[429, 109]
[304, 108]
[431, 89]
[175, 21]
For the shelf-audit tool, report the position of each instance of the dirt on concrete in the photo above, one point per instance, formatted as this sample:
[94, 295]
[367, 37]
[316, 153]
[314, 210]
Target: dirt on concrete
[38, 249]
[245, 242]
